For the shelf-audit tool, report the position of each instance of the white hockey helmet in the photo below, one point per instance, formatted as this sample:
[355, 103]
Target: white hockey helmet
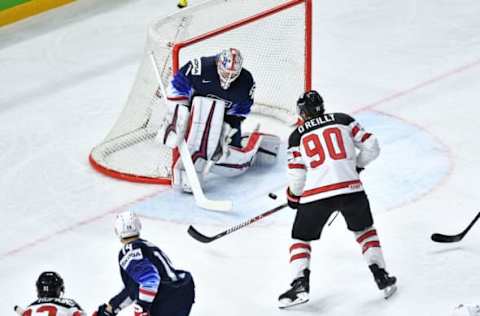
[466, 310]
[229, 66]
[127, 224]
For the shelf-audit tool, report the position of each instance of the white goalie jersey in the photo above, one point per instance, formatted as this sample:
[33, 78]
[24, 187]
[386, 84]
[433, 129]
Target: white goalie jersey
[322, 156]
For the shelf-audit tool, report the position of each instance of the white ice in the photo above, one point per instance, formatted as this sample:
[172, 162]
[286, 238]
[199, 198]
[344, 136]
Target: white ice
[408, 70]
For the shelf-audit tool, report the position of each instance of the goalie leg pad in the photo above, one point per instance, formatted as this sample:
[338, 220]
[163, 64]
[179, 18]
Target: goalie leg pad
[205, 130]
[203, 136]
[173, 126]
[236, 161]
[268, 152]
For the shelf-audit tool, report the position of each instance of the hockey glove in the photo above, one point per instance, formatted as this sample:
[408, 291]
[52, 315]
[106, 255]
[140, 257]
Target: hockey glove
[359, 169]
[104, 310]
[292, 199]
[140, 311]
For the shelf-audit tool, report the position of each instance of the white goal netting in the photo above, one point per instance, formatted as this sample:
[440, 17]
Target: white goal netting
[274, 38]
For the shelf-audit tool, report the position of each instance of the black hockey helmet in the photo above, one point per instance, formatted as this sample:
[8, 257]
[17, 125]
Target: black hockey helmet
[50, 284]
[310, 104]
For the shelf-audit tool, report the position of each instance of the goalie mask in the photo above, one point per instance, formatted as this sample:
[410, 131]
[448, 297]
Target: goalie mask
[50, 284]
[229, 66]
[127, 225]
[310, 104]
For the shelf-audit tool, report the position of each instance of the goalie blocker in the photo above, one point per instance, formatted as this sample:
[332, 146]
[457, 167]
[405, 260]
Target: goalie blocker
[208, 140]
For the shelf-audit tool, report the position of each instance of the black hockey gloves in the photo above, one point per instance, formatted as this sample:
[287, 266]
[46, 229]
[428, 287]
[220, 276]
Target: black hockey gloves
[103, 310]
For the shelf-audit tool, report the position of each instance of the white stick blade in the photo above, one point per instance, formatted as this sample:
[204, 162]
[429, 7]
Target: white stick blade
[216, 205]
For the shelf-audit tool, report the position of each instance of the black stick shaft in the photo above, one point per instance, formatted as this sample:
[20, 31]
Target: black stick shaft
[454, 238]
[206, 239]
[471, 224]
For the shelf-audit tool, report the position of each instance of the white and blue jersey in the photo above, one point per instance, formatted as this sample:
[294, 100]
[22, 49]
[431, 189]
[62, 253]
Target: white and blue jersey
[147, 273]
[199, 77]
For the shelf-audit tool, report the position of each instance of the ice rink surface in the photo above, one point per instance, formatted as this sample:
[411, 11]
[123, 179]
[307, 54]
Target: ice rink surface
[408, 70]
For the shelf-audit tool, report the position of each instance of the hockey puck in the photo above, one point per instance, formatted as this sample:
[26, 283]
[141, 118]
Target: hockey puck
[272, 196]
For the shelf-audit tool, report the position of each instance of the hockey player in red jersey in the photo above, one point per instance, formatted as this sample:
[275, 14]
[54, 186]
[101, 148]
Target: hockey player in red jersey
[50, 289]
[325, 156]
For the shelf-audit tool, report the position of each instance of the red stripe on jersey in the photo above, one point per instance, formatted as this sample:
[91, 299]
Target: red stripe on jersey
[365, 137]
[364, 236]
[147, 292]
[78, 313]
[300, 256]
[296, 166]
[371, 244]
[355, 130]
[180, 97]
[296, 154]
[331, 187]
[300, 245]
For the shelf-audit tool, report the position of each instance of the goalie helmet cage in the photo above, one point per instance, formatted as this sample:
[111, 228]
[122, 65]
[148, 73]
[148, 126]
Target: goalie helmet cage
[274, 37]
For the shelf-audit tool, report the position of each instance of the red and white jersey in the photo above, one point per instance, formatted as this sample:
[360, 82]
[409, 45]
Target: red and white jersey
[322, 156]
[49, 306]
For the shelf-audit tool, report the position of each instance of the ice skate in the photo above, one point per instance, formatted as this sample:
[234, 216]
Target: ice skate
[298, 293]
[384, 281]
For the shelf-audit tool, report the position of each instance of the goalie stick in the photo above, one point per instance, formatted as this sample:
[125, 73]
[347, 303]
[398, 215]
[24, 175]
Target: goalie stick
[206, 239]
[454, 238]
[200, 198]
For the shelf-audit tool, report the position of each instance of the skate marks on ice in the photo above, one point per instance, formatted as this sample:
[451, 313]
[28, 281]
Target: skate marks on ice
[421, 163]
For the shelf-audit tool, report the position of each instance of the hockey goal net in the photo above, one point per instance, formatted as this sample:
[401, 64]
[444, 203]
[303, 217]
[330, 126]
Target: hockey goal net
[274, 37]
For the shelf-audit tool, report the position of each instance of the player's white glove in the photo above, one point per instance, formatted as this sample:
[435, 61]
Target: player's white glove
[173, 126]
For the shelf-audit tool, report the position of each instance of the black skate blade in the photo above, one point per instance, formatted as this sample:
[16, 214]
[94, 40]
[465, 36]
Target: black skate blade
[389, 291]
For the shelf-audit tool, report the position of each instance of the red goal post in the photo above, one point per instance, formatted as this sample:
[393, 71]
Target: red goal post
[275, 38]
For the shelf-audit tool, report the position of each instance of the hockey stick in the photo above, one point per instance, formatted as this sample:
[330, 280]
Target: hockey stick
[200, 198]
[454, 238]
[205, 239]
[336, 214]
